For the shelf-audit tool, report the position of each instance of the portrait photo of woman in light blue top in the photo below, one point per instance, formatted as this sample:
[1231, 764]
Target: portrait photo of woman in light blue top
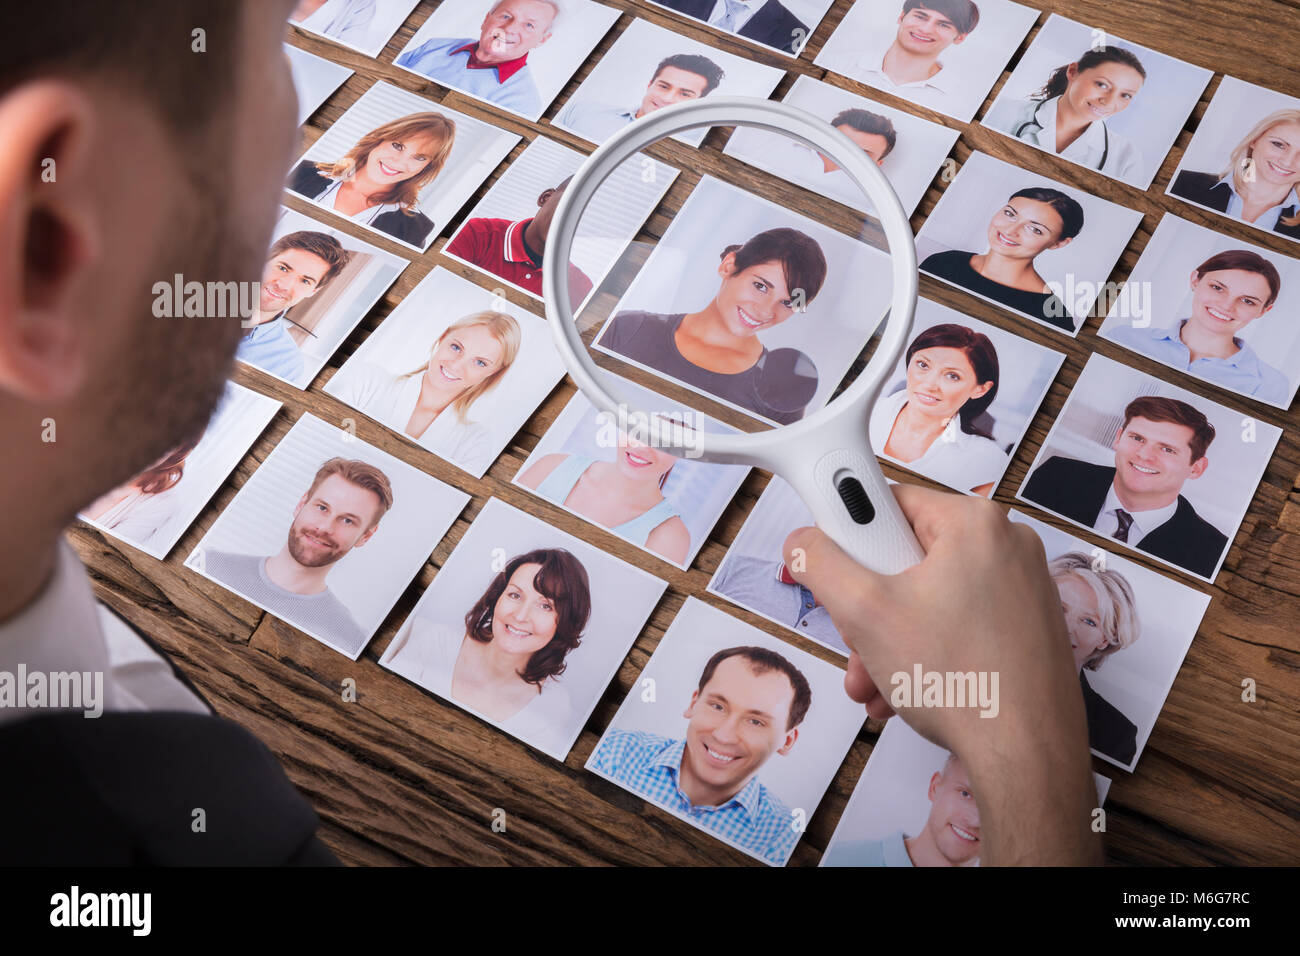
[1230, 290]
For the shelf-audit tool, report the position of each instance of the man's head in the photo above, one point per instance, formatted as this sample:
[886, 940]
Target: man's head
[339, 512]
[299, 265]
[1161, 444]
[512, 28]
[137, 145]
[874, 133]
[682, 76]
[546, 203]
[749, 704]
[928, 27]
[954, 821]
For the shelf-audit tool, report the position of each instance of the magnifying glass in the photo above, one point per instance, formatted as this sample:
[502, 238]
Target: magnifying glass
[757, 302]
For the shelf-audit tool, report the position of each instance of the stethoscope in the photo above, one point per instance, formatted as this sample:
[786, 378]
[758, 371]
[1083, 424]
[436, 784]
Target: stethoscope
[1105, 132]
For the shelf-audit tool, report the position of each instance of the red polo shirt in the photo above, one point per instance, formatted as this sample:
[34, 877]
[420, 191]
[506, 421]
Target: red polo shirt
[497, 245]
[504, 70]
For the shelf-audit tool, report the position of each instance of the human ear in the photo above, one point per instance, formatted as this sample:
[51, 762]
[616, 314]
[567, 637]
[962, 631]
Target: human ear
[545, 197]
[1062, 244]
[49, 239]
[791, 736]
[934, 785]
[369, 532]
[959, 38]
[727, 267]
[1198, 467]
[981, 390]
[691, 706]
[302, 503]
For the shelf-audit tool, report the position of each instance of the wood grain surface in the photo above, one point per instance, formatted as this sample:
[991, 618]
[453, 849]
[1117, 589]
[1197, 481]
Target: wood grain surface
[399, 777]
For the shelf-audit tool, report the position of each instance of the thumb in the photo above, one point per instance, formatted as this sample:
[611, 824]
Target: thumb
[845, 588]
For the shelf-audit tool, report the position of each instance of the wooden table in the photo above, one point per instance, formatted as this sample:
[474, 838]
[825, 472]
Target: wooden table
[397, 776]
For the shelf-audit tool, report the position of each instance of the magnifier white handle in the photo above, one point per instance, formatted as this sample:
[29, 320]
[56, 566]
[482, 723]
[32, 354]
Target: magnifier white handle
[853, 504]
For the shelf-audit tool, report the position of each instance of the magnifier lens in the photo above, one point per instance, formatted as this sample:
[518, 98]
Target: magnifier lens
[735, 274]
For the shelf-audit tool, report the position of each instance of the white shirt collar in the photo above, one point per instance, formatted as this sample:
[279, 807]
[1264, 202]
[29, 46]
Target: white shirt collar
[742, 17]
[872, 63]
[1091, 143]
[1144, 522]
[1268, 219]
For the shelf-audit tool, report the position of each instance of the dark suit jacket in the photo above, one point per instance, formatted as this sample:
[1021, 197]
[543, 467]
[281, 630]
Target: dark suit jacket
[1109, 731]
[121, 789]
[1077, 490]
[1204, 189]
[307, 180]
[773, 25]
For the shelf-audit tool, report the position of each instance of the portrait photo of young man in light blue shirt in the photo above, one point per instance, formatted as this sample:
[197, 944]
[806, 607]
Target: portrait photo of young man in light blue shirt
[748, 706]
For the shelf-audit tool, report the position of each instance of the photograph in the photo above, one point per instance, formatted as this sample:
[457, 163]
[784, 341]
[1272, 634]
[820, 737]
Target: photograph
[1097, 100]
[524, 627]
[327, 533]
[962, 398]
[317, 284]
[944, 55]
[731, 730]
[362, 25]
[454, 368]
[780, 25]
[1030, 244]
[1195, 293]
[610, 473]
[1151, 465]
[649, 68]
[1244, 159]
[314, 79]
[754, 575]
[914, 805]
[399, 165]
[908, 149]
[1135, 621]
[514, 54]
[505, 234]
[157, 506]
[751, 304]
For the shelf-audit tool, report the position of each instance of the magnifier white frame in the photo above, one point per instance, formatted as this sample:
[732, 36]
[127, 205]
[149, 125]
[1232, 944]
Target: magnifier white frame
[817, 453]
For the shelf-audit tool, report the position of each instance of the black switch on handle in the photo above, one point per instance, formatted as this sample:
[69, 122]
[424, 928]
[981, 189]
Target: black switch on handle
[855, 499]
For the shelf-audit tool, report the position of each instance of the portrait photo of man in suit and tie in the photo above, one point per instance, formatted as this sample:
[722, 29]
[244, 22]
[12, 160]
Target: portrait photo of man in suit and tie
[767, 22]
[1160, 447]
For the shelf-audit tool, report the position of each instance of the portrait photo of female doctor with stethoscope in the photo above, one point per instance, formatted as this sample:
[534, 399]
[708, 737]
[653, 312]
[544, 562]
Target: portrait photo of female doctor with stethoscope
[1097, 101]
[1067, 117]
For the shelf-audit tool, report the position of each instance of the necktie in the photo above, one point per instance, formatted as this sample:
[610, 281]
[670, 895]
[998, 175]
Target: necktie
[1125, 522]
[731, 10]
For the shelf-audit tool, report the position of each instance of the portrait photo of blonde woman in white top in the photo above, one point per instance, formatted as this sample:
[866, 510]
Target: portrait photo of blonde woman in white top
[454, 369]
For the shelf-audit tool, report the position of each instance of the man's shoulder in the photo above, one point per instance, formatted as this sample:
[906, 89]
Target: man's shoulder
[229, 562]
[1188, 521]
[628, 750]
[1060, 466]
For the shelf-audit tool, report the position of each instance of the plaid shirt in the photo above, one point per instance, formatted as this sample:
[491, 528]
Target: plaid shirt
[754, 819]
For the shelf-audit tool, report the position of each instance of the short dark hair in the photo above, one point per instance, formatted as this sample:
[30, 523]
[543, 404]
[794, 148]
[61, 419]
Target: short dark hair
[693, 63]
[964, 14]
[1155, 408]
[761, 660]
[1067, 208]
[561, 579]
[320, 244]
[864, 121]
[106, 41]
[801, 258]
[1245, 261]
[983, 358]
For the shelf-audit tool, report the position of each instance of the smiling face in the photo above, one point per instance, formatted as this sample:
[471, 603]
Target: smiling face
[290, 277]
[523, 619]
[671, 85]
[463, 358]
[1082, 618]
[395, 161]
[642, 462]
[954, 820]
[512, 28]
[753, 299]
[926, 32]
[1101, 91]
[737, 721]
[1025, 227]
[1225, 302]
[941, 380]
[1277, 155]
[337, 517]
[1153, 460]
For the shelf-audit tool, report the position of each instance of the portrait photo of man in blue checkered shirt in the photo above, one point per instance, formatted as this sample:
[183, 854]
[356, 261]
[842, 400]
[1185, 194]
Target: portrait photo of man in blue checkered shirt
[747, 707]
